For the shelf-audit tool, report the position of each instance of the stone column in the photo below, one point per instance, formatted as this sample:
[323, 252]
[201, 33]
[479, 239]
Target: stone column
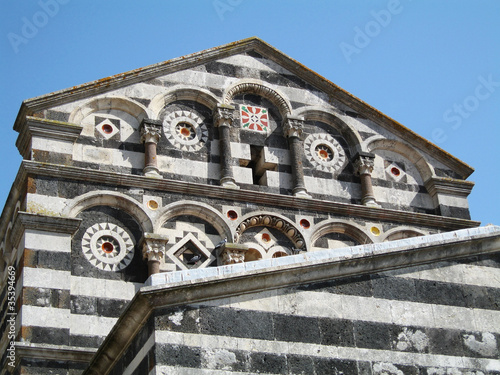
[150, 135]
[363, 164]
[223, 119]
[292, 129]
[153, 249]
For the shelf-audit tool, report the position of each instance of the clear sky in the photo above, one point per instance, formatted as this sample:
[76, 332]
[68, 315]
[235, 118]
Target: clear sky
[433, 66]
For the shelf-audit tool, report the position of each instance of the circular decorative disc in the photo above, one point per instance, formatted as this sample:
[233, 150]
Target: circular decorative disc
[108, 247]
[325, 153]
[185, 130]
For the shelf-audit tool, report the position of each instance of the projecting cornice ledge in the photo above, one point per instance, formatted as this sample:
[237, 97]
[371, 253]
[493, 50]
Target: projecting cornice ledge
[53, 352]
[449, 186]
[196, 286]
[25, 220]
[351, 210]
[33, 126]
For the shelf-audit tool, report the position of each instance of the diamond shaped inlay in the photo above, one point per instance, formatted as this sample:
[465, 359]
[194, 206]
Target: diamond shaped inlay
[265, 239]
[107, 128]
[395, 172]
[189, 253]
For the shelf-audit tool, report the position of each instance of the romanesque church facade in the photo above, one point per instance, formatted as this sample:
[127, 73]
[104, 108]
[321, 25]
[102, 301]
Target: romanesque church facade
[230, 212]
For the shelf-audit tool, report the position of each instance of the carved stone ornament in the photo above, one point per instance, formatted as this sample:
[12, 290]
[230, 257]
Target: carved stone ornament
[223, 115]
[293, 127]
[274, 222]
[185, 130]
[150, 133]
[364, 164]
[108, 247]
[231, 255]
[153, 247]
[325, 153]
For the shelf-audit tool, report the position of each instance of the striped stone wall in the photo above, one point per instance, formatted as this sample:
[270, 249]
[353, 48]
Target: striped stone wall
[435, 319]
[123, 152]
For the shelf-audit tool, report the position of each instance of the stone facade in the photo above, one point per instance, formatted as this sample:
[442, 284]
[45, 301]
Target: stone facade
[218, 159]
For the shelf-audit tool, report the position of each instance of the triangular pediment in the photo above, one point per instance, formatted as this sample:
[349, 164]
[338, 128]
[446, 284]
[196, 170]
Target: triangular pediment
[321, 94]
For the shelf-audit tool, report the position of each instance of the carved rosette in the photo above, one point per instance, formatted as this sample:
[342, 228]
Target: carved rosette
[223, 115]
[273, 222]
[150, 132]
[153, 247]
[364, 165]
[293, 127]
[108, 246]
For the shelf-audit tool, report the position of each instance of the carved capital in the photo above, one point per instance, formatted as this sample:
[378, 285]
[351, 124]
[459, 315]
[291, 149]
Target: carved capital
[293, 127]
[231, 253]
[153, 246]
[150, 131]
[223, 115]
[364, 163]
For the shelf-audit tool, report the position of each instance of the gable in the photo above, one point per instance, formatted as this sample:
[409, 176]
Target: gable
[267, 60]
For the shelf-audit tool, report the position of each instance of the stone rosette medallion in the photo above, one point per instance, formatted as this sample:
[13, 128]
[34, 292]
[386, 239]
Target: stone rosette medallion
[108, 247]
[325, 153]
[185, 130]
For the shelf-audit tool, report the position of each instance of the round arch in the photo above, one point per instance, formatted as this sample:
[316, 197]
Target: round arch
[424, 169]
[260, 88]
[402, 232]
[197, 209]
[343, 227]
[272, 220]
[184, 92]
[314, 113]
[127, 105]
[112, 199]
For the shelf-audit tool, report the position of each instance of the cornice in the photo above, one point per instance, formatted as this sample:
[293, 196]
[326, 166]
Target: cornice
[54, 352]
[242, 195]
[103, 85]
[450, 186]
[33, 126]
[26, 220]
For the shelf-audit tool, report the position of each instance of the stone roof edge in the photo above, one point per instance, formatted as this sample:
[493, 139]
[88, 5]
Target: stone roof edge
[328, 255]
[292, 270]
[30, 106]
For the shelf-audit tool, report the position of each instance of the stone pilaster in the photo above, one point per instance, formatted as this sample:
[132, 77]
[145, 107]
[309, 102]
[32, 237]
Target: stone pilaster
[150, 135]
[363, 165]
[223, 119]
[153, 249]
[292, 129]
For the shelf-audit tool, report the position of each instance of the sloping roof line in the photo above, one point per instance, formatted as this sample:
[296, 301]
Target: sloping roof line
[38, 103]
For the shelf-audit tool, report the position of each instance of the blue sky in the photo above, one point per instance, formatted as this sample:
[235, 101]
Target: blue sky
[433, 66]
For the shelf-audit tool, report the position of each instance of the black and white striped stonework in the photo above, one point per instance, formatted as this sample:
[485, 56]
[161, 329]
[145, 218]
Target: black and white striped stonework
[441, 318]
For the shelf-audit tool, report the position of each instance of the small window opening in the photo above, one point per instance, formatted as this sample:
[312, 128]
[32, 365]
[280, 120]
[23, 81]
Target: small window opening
[259, 166]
